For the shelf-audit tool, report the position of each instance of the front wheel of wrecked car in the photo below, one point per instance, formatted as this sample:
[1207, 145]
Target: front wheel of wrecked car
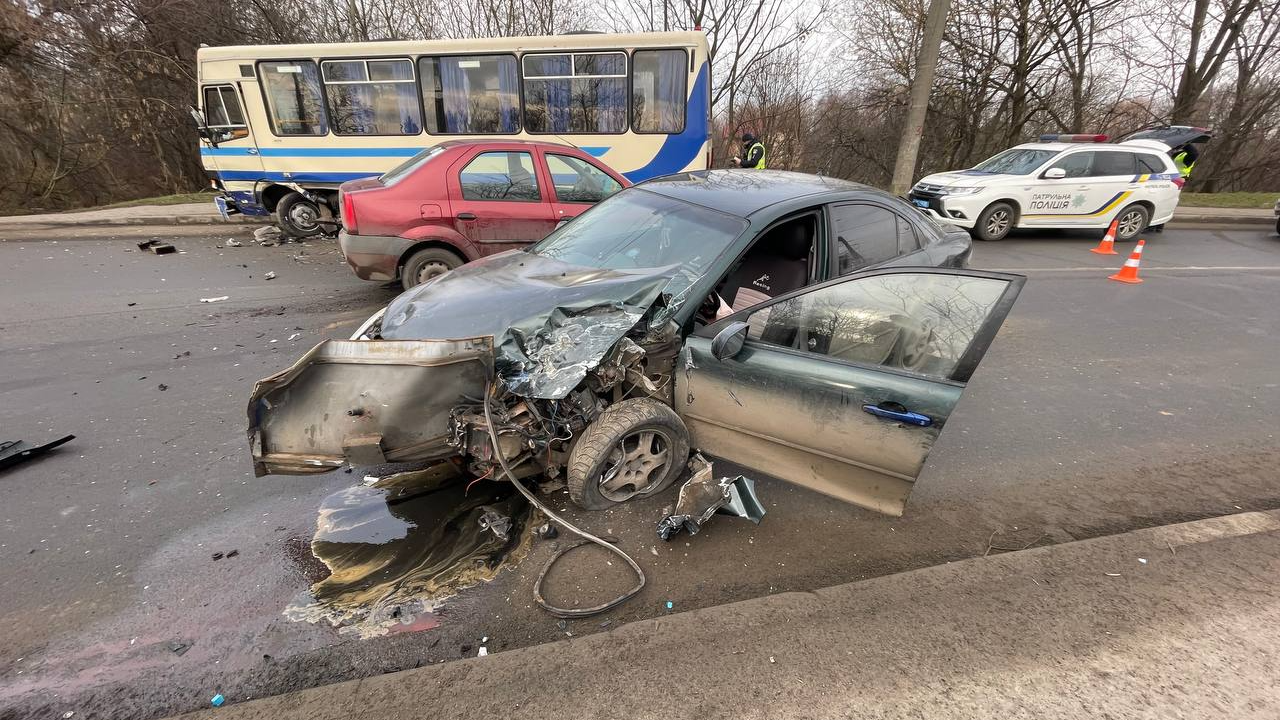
[634, 449]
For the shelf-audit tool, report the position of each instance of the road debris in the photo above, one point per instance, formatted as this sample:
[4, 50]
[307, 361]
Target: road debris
[13, 452]
[268, 235]
[701, 497]
[162, 387]
[157, 247]
[232, 242]
[295, 336]
[215, 299]
[496, 522]
[271, 275]
[217, 700]
[180, 647]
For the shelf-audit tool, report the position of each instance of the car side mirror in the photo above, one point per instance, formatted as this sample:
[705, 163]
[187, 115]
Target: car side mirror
[728, 342]
[1054, 174]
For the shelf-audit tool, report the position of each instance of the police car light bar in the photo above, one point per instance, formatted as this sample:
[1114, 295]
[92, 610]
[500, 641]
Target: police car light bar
[1073, 138]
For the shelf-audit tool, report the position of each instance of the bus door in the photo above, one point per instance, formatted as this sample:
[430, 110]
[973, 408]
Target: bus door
[233, 152]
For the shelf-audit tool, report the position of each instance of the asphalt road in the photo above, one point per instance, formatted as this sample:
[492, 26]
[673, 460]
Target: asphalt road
[1100, 407]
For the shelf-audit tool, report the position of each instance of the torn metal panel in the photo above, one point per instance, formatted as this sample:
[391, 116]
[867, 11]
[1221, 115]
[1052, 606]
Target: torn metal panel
[364, 401]
[13, 452]
[552, 322]
[702, 496]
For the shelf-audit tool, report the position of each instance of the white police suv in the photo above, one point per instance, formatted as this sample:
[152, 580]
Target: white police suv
[1064, 181]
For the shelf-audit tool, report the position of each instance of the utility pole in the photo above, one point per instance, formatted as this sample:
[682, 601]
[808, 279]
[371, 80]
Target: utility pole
[926, 65]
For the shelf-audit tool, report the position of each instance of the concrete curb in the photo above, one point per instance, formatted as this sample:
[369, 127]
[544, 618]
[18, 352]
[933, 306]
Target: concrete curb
[1132, 624]
[17, 223]
[1205, 219]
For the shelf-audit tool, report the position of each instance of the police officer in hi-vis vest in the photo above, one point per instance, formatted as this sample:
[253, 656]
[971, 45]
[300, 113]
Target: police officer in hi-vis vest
[752, 153]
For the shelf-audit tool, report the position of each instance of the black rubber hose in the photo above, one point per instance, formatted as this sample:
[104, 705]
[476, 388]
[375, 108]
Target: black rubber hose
[589, 538]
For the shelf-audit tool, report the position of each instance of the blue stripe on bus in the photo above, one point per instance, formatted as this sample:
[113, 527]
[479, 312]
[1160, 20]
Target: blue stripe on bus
[594, 152]
[297, 177]
[313, 152]
[678, 151]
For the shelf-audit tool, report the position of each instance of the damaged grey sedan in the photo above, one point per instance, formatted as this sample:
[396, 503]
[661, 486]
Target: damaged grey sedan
[811, 329]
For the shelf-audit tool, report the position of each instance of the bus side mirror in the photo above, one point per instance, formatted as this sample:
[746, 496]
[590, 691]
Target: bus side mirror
[202, 127]
[1054, 174]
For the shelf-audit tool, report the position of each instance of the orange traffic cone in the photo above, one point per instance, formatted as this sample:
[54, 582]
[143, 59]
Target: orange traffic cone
[1107, 246]
[1129, 273]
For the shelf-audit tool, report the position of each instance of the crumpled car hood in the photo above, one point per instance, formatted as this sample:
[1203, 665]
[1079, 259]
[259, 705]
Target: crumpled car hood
[551, 322]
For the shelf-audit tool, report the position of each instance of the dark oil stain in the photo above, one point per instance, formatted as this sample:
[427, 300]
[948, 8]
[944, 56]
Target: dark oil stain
[395, 549]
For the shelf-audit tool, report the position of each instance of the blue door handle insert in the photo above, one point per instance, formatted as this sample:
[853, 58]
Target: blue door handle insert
[894, 411]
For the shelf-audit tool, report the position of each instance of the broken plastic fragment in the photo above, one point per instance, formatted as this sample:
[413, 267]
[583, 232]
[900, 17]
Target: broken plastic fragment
[701, 497]
[215, 299]
[497, 522]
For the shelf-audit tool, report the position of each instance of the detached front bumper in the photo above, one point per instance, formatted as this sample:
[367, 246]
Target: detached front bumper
[373, 257]
[364, 402]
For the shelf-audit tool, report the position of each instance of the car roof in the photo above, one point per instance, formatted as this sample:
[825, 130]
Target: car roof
[747, 192]
[512, 143]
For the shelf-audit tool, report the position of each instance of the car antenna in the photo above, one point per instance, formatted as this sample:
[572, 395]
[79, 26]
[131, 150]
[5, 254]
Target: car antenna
[566, 142]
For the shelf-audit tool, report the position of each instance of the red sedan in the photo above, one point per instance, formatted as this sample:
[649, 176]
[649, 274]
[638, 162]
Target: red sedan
[464, 199]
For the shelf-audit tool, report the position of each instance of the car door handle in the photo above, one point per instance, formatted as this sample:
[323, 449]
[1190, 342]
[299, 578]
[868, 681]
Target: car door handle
[466, 216]
[894, 411]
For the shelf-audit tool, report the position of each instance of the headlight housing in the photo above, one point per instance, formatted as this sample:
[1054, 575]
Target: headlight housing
[949, 191]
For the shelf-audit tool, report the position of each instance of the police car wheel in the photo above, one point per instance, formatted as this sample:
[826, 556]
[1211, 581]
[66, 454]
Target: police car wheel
[1131, 221]
[995, 222]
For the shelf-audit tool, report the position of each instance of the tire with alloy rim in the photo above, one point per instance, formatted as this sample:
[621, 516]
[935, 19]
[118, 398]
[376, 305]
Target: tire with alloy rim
[634, 449]
[298, 216]
[426, 264]
[1131, 221]
[995, 222]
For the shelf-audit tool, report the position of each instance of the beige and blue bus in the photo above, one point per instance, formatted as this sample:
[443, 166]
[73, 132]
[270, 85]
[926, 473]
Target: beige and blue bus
[282, 126]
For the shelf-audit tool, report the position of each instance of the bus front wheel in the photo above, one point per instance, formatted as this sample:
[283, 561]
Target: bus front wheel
[298, 216]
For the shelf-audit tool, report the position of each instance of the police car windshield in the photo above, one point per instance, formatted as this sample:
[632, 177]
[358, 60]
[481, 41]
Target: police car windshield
[1015, 162]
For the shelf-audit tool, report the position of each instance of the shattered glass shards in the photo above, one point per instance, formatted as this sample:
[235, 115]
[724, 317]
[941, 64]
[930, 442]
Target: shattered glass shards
[702, 496]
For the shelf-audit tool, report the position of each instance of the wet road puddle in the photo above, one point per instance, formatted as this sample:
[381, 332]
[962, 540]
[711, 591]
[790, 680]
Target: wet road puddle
[398, 547]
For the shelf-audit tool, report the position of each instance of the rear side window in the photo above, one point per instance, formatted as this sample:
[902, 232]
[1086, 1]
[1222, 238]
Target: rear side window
[372, 97]
[1113, 163]
[505, 176]
[294, 102]
[864, 235]
[1150, 164]
[472, 94]
[658, 93]
[1076, 165]
[578, 181]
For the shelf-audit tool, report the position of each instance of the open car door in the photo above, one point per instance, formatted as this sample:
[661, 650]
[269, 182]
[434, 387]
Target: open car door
[843, 387]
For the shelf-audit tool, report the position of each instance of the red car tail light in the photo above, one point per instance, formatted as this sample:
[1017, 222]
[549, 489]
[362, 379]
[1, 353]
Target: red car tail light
[349, 214]
[1180, 182]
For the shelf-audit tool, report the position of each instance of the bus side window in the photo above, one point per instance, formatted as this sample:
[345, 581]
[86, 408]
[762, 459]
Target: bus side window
[372, 97]
[659, 91]
[222, 113]
[471, 94]
[293, 97]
